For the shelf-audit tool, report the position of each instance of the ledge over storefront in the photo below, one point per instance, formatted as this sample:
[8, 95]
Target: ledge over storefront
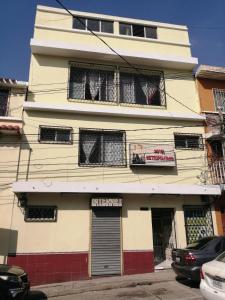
[49, 186]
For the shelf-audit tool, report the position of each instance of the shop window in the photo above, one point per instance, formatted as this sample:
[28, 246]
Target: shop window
[55, 135]
[40, 213]
[82, 23]
[4, 96]
[188, 141]
[102, 148]
[219, 99]
[138, 30]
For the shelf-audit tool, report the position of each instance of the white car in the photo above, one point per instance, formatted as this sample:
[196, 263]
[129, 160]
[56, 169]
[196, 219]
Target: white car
[213, 279]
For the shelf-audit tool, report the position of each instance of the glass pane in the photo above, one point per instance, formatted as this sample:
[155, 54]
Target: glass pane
[180, 141]
[63, 135]
[3, 102]
[77, 83]
[113, 148]
[93, 24]
[79, 23]
[151, 32]
[125, 29]
[193, 142]
[138, 30]
[107, 26]
[47, 134]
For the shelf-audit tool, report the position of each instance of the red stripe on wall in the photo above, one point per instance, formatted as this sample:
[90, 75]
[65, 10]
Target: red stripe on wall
[45, 268]
[138, 262]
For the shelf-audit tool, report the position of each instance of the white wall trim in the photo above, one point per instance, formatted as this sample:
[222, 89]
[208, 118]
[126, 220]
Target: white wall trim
[112, 35]
[123, 188]
[117, 111]
[9, 119]
[111, 18]
[97, 51]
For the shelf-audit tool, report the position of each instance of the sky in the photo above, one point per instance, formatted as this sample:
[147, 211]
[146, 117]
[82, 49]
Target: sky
[204, 18]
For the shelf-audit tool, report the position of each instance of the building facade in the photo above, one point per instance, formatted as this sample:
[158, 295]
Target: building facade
[12, 95]
[110, 174]
[211, 86]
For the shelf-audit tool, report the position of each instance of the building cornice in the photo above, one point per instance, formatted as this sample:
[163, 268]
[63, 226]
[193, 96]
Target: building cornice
[120, 188]
[80, 50]
[111, 110]
[111, 18]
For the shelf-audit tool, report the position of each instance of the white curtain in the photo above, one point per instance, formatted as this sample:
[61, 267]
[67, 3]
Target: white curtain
[127, 91]
[149, 90]
[94, 83]
[77, 83]
[113, 149]
[89, 142]
[110, 87]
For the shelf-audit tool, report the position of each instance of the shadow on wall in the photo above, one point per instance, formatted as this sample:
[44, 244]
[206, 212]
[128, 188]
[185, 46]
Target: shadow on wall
[7, 237]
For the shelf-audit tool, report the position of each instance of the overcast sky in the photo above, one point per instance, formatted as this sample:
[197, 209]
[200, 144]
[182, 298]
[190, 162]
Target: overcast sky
[205, 19]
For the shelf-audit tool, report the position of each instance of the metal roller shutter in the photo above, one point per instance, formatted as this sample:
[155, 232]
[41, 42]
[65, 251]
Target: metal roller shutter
[106, 252]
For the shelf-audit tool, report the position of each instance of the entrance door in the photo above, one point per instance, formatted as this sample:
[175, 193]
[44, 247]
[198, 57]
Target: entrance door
[105, 248]
[164, 239]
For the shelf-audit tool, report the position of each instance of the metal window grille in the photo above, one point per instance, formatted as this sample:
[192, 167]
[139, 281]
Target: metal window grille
[40, 213]
[219, 99]
[102, 148]
[4, 96]
[188, 141]
[198, 222]
[117, 86]
[55, 135]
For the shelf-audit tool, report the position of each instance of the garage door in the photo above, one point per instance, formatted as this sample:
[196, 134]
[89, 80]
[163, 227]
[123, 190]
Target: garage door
[106, 250]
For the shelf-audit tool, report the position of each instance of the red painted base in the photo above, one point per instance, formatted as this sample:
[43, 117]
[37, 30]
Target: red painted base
[43, 268]
[138, 262]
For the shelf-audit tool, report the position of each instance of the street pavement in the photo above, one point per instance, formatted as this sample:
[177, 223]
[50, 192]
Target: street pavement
[161, 285]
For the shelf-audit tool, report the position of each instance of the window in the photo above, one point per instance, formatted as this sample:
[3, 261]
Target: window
[219, 99]
[4, 95]
[82, 23]
[104, 148]
[40, 213]
[188, 141]
[102, 83]
[91, 84]
[57, 135]
[138, 30]
[139, 89]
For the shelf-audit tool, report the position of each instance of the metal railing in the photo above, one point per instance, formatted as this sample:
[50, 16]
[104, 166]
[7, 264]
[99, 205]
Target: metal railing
[217, 171]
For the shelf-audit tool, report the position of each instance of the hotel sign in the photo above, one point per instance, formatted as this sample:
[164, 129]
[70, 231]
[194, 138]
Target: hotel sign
[106, 202]
[152, 155]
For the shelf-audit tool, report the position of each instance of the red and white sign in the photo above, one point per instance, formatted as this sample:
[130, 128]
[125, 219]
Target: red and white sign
[149, 155]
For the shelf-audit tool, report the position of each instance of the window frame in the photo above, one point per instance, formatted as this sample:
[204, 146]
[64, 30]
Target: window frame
[144, 27]
[41, 220]
[200, 138]
[101, 133]
[97, 19]
[214, 91]
[70, 142]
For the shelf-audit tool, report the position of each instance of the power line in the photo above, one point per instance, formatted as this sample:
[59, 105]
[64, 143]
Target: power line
[121, 57]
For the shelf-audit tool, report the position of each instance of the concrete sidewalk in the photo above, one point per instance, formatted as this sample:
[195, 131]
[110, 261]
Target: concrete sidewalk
[106, 283]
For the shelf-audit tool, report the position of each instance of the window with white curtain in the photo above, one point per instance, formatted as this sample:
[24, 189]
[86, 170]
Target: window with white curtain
[4, 96]
[91, 84]
[104, 148]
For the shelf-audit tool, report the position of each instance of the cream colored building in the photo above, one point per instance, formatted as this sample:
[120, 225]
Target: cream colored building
[114, 175]
[12, 95]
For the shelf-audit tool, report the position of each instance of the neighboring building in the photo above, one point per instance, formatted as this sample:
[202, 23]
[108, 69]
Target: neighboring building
[12, 95]
[211, 87]
[113, 181]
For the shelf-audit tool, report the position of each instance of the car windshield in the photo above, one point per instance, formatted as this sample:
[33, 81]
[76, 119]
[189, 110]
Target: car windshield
[221, 257]
[199, 244]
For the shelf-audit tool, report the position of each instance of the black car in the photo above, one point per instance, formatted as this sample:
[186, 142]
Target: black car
[187, 262]
[14, 283]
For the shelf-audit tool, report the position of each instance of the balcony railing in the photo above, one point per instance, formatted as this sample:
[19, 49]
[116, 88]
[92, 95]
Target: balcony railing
[217, 171]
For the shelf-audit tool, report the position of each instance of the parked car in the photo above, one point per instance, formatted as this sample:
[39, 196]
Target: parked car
[213, 279]
[188, 261]
[14, 283]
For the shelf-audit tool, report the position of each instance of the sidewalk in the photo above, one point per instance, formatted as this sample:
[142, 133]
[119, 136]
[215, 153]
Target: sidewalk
[106, 283]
